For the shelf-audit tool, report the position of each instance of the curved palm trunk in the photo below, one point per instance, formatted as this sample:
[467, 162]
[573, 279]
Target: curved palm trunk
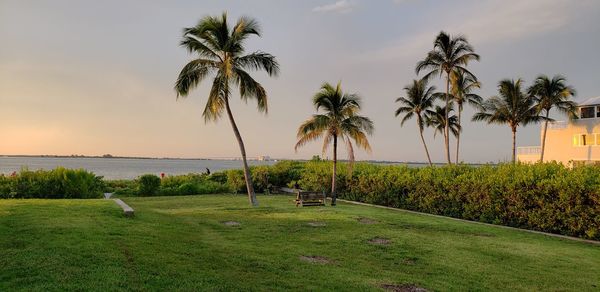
[446, 127]
[423, 139]
[514, 144]
[458, 134]
[544, 137]
[333, 191]
[247, 177]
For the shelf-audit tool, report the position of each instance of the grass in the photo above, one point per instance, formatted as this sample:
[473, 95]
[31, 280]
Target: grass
[181, 243]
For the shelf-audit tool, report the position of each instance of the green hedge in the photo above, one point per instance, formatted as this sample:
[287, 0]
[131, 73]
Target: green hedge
[546, 197]
[175, 185]
[57, 183]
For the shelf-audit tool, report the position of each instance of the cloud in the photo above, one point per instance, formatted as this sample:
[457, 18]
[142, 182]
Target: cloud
[341, 6]
[491, 22]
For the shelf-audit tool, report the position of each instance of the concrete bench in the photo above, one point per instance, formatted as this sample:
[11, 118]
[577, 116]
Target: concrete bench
[127, 211]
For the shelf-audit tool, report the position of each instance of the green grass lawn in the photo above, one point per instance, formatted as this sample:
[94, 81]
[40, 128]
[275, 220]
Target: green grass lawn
[181, 243]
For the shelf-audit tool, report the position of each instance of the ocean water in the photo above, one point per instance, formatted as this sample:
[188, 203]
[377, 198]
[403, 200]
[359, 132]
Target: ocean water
[122, 168]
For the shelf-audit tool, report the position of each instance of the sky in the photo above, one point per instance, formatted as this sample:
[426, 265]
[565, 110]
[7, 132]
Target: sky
[96, 77]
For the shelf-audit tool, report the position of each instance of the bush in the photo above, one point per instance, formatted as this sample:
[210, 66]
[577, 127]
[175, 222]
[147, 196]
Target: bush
[52, 184]
[148, 184]
[235, 180]
[187, 189]
[121, 187]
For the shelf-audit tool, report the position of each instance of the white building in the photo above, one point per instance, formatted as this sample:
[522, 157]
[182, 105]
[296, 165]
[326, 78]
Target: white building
[573, 142]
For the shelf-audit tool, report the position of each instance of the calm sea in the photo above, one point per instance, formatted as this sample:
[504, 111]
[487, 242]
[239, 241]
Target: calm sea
[122, 168]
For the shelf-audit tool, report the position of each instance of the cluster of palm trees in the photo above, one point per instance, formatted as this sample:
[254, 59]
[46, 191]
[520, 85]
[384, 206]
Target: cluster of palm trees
[448, 59]
[219, 50]
[513, 106]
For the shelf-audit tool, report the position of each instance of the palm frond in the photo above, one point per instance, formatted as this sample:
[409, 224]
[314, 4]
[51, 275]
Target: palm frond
[192, 74]
[259, 61]
[250, 89]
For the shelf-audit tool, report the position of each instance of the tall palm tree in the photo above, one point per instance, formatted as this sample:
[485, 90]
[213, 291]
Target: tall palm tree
[340, 121]
[448, 54]
[462, 86]
[552, 93]
[419, 98]
[512, 107]
[436, 118]
[220, 50]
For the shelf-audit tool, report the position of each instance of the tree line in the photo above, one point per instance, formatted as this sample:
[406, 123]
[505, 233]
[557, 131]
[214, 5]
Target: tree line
[220, 52]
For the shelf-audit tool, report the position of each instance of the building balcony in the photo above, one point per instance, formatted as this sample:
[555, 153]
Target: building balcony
[529, 154]
[558, 125]
[529, 150]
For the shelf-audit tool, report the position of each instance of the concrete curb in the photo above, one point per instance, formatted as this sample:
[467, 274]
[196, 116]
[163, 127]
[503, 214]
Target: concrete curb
[594, 242]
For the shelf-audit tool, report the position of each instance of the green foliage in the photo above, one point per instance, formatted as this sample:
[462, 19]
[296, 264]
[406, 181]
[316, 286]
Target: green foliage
[57, 183]
[235, 180]
[174, 185]
[148, 184]
[121, 187]
[547, 197]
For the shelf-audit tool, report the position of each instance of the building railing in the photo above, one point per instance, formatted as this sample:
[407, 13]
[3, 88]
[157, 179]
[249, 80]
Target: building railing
[558, 125]
[529, 150]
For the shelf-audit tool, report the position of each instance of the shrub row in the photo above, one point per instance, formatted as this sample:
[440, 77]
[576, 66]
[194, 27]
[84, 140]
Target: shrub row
[57, 183]
[546, 197]
[188, 184]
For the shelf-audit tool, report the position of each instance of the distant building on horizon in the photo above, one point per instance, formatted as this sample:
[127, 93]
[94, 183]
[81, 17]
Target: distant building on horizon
[264, 158]
[575, 142]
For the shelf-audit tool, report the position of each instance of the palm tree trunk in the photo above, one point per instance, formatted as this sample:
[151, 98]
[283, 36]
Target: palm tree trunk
[514, 144]
[247, 177]
[423, 139]
[458, 134]
[544, 137]
[333, 191]
[447, 126]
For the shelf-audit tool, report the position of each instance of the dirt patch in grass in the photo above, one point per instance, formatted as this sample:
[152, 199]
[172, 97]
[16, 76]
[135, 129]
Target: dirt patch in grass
[316, 259]
[380, 241]
[365, 220]
[231, 223]
[409, 261]
[402, 288]
[316, 224]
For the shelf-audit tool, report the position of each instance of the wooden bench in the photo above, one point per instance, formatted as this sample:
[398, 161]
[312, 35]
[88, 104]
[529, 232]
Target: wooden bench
[304, 198]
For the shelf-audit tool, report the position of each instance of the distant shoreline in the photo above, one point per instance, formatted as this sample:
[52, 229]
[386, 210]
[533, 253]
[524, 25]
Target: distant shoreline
[230, 159]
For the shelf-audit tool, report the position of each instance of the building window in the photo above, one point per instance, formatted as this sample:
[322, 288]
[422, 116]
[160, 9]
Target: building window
[598, 111]
[588, 112]
[584, 139]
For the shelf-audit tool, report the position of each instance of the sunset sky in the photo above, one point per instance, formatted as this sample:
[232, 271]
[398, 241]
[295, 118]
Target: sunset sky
[96, 77]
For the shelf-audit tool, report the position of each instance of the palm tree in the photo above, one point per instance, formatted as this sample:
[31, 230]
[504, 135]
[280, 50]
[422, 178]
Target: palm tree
[512, 107]
[220, 50]
[436, 119]
[448, 54]
[419, 98]
[552, 93]
[340, 120]
[461, 91]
